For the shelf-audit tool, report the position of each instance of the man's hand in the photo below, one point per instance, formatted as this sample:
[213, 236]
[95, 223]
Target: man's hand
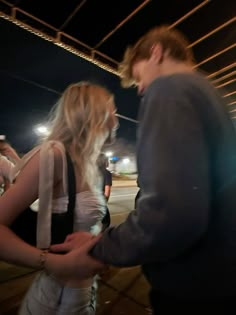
[77, 263]
[72, 241]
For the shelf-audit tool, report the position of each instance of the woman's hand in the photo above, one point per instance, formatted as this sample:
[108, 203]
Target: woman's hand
[77, 263]
[72, 241]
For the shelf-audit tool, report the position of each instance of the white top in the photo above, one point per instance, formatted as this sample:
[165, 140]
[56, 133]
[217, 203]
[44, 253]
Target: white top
[90, 206]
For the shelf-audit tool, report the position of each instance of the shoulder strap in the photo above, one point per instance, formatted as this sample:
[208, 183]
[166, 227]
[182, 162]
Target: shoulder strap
[71, 185]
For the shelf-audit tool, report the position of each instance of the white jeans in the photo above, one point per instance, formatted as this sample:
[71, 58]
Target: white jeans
[47, 297]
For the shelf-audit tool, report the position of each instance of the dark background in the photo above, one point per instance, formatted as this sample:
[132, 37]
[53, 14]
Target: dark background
[34, 71]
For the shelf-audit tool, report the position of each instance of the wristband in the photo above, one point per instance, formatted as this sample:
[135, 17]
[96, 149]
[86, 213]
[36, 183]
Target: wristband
[43, 258]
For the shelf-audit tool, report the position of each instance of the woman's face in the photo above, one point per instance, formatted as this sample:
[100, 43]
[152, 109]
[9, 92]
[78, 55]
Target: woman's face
[113, 125]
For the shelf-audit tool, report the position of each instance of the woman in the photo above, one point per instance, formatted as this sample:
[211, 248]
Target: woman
[6, 168]
[84, 119]
[8, 158]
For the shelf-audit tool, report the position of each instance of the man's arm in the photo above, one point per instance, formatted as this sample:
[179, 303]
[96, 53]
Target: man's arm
[108, 184]
[172, 212]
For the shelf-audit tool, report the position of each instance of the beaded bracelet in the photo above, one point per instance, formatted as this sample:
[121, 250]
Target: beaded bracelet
[43, 258]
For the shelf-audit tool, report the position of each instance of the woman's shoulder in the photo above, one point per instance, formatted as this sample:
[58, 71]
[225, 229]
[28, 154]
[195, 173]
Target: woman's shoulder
[51, 149]
[46, 153]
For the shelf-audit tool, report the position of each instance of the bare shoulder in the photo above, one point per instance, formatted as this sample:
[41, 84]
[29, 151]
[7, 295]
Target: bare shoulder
[57, 155]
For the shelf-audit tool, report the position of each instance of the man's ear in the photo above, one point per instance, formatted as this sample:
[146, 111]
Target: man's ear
[157, 53]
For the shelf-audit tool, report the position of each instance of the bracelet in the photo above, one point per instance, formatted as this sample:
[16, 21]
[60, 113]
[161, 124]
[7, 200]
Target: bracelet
[43, 258]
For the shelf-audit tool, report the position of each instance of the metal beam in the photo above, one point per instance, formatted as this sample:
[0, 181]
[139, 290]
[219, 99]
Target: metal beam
[15, 9]
[229, 94]
[56, 40]
[141, 6]
[184, 17]
[217, 29]
[96, 52]
[91, 57]
[127, 118]
[215, 55]
[60, 34]
[7, 3]
[226, 83]
[222, 70]
[232, 103]
[224, 77]
[39, 85]
[78, 7]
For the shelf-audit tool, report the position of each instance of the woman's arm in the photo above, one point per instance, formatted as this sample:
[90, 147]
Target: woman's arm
[16, 199]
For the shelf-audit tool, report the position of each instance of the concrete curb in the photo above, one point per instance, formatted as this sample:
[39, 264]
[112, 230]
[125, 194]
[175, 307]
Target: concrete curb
[124, 183]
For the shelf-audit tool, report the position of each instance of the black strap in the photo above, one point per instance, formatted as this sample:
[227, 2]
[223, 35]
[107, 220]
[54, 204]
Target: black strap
[62, 223]
[71, 185]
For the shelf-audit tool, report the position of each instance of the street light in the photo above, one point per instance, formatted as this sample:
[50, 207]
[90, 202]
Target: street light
[126, 160]
[109, 154]
[41, 130]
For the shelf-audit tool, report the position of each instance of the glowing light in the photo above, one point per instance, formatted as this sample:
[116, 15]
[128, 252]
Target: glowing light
[109, 154]
[41, 130]
[126, 160]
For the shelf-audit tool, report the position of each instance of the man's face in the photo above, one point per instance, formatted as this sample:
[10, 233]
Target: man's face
[146, 70]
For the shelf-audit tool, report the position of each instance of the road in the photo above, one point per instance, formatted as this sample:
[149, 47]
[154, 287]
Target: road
[121, 202]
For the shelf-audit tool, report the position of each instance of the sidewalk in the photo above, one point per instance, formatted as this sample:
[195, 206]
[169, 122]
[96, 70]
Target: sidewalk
[124, 183]
[120, 291]
[123, 291]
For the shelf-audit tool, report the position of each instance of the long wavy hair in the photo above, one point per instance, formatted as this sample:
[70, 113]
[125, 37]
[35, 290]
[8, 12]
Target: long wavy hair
[83, 120]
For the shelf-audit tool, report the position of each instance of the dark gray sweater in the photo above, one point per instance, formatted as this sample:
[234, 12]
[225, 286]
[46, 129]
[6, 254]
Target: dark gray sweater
[183, 232]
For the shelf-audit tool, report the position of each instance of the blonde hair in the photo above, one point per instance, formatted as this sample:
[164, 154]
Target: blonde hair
[171, 41]
[81, 120]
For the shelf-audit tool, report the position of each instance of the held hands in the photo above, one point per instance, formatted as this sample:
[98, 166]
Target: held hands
[72, 241]
[77, 263]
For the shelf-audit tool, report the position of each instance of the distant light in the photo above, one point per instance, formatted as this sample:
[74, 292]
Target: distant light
[41, 130]
[126, 160]
[109, 154]
[114, 158]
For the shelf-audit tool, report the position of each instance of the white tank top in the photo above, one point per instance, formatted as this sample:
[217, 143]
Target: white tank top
[90, 206]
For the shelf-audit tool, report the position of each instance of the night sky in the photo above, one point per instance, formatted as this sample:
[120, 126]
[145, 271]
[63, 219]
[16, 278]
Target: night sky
[33, 73]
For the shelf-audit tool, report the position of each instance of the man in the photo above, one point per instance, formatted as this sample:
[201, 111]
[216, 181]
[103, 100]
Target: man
[103, 164]
[183, 231]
